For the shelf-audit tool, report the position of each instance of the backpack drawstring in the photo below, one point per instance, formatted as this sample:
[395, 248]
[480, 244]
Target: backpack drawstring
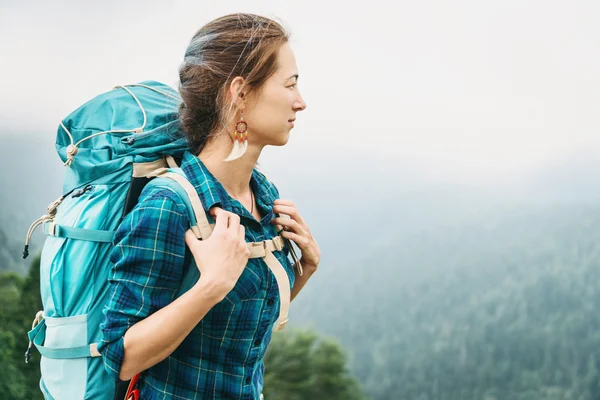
[73, 148]
[44, 218]
[296, 261]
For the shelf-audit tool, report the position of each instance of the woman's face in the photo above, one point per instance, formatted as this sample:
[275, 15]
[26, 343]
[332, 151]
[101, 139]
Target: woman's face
[271, 112]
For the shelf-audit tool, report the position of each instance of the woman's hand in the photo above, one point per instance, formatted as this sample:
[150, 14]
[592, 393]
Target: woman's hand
[222, 257]
[296, 229]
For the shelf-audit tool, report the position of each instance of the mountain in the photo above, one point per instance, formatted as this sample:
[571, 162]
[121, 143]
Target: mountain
[31, 180]
[498, 307]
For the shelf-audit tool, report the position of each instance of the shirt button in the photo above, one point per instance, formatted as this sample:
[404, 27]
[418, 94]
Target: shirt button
[270, 302]
[248, 380]
[257, 342]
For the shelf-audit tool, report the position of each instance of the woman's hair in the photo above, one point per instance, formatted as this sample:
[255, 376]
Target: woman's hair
[243, 45]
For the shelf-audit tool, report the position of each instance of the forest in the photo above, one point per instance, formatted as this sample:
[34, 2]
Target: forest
[502, 307]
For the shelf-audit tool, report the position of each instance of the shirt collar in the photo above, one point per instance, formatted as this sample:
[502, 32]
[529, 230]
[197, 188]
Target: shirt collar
[212, 193]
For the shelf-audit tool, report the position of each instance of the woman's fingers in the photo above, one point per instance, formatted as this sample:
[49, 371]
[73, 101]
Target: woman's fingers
[234, 223]
[221, 218]
[284, 203]
[225, 220]
[287, 210]
[242, 235]
[301, 241]
[290, 224]
[296, 230]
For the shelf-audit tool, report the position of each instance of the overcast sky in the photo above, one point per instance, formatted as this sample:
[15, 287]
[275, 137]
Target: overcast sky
[462, 90]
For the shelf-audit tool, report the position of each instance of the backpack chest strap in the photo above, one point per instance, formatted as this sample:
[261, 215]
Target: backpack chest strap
[265, 250]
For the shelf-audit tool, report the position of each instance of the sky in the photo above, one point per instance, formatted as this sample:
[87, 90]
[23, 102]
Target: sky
[455, 91]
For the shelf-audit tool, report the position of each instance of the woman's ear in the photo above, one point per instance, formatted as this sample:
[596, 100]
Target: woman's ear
[236, 92]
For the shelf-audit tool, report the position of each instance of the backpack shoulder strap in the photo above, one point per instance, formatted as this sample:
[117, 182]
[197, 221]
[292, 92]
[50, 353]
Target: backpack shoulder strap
[175, 179]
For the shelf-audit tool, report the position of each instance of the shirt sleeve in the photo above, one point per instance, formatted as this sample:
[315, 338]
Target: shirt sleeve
[148, 259]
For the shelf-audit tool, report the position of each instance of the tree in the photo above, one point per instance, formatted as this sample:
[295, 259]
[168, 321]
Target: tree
[30, 304]
[19, 301]
[299, 366]
[11, 380]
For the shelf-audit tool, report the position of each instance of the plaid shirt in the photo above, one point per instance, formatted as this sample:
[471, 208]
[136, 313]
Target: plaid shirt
[222, 358]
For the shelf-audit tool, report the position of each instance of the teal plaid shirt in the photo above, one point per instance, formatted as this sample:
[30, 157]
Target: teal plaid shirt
[222, 358]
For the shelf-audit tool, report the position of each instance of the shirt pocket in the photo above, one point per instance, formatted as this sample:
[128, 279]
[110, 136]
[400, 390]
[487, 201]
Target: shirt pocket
[248, 284]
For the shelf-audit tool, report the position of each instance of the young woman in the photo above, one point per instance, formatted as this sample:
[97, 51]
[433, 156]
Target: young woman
[238, 82]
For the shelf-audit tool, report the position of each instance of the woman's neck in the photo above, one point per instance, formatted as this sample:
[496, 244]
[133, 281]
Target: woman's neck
[233, 175]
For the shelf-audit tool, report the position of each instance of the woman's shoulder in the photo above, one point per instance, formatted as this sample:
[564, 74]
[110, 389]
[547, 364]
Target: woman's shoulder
[158, 214]
[156, 199]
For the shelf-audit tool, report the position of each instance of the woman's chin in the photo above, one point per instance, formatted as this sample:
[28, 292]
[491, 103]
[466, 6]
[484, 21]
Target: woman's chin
[282, 139]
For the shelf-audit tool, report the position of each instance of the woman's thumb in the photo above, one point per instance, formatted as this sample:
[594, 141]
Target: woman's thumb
[190, 239]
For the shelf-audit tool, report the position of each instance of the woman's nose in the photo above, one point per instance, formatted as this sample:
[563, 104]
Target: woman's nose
[300, 104]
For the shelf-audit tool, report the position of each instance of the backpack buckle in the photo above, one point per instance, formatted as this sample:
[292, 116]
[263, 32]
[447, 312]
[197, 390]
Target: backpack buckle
[51, 228]
[257, 249]
[278, 243]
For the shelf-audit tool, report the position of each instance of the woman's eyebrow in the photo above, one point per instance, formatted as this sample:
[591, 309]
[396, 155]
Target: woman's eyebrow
[293, 76]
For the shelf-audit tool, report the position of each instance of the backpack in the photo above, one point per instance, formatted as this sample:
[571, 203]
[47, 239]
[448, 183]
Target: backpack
[112, 146]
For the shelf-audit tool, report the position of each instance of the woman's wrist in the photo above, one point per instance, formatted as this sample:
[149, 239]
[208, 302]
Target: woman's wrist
[309, 267]
[209, 290]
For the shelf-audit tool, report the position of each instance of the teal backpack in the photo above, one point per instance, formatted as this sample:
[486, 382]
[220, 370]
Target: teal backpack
[112, 146]
[109, 147]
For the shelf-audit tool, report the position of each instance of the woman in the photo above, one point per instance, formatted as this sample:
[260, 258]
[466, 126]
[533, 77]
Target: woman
[238, 82]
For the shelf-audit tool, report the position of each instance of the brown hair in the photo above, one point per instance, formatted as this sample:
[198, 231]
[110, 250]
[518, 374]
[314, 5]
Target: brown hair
[243, 45]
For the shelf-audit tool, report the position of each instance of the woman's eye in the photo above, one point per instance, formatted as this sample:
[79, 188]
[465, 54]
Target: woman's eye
[293, 86]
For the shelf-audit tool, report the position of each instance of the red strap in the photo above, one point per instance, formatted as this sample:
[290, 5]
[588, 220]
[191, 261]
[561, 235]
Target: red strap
[133, 393]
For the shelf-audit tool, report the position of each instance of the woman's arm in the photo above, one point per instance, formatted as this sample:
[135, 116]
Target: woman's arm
[221, 260]
[300, 281]
[144, 323]
[148, 259]
[154, 338]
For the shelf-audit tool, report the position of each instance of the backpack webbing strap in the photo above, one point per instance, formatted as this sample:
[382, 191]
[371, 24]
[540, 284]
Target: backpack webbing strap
[37, 336]
[92, 235]
[201, 220]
